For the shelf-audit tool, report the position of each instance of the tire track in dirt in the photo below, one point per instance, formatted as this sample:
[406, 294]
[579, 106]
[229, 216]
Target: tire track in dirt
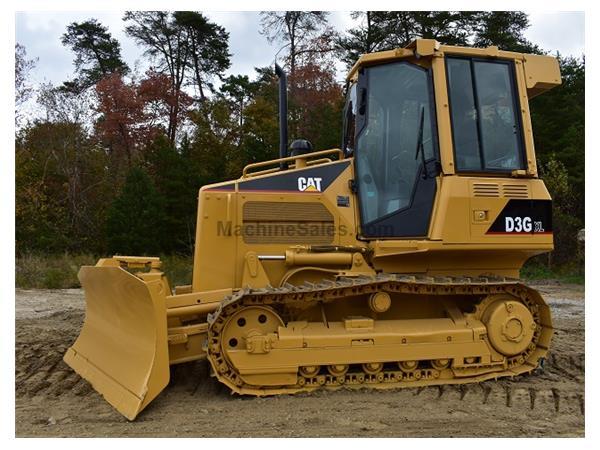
[49, 375]
[52, 399]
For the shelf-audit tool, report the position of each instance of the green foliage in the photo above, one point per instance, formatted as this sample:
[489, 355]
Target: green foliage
[386, 30]
[60, 189]
[537, 269]
[503, 29]
[59, 271]
[213, 147]
[261, 131]
[97, 53]
[207, 44]
[135, 220]
[178, 185]
[370, 36]
[178, 269]
[565, 222]
[558, 119]
[37, 271]
[184, 44]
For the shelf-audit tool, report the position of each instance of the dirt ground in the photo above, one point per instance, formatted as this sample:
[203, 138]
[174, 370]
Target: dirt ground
[51, 400]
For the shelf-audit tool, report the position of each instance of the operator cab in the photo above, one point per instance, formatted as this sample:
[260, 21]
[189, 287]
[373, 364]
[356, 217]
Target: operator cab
[390, 127]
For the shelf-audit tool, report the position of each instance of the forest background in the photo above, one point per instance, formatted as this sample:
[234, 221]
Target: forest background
[113, 159]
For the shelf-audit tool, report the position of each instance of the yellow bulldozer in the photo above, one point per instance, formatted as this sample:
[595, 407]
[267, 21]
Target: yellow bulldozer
[390, 262]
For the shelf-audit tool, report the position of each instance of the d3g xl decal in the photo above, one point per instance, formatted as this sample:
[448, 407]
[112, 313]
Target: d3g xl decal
[524, 217]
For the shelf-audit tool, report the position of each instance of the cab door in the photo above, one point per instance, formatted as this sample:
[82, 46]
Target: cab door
[396, 154]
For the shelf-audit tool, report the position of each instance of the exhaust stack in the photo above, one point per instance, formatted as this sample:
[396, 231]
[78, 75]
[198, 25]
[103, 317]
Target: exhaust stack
[283, 115]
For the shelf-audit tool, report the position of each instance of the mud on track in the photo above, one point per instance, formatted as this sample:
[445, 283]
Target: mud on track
[51, 400]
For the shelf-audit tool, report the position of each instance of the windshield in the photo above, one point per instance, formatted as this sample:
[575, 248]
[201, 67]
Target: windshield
[387, 160]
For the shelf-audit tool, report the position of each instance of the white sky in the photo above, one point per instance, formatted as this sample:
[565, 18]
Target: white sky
[40, 33]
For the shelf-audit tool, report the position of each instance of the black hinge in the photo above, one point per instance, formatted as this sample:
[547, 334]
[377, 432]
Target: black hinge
[352, 186]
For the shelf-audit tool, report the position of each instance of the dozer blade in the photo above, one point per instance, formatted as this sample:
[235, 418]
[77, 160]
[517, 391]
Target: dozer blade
[122, 349]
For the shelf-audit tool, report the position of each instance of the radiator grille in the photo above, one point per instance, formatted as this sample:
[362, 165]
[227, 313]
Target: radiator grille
[287, 223]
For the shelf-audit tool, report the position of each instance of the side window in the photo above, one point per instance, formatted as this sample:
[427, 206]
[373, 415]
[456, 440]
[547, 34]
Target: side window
[485, 128]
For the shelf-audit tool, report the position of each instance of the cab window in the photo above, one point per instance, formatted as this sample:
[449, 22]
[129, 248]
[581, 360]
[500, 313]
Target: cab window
[485, 127]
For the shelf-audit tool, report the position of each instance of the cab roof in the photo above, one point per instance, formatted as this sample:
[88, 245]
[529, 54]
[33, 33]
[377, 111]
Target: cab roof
[541, 72]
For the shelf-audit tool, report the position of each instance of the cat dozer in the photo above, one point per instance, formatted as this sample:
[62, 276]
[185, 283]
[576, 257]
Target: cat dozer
[390, 262]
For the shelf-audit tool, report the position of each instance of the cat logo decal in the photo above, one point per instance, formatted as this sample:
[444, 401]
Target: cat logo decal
[309, 184]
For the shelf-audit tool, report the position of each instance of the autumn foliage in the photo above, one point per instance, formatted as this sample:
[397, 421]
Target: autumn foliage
[134, 114]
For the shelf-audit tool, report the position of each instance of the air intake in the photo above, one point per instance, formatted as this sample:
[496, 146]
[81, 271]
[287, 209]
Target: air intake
[515, 190]
[486, 190]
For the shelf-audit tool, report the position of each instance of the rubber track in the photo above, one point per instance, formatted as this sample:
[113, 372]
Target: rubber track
[328, 291]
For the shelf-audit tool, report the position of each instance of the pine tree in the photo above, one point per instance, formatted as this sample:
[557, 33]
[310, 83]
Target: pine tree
[386, 30]
[135, 221]
[503, 29]
[97, 53]
[177, 184]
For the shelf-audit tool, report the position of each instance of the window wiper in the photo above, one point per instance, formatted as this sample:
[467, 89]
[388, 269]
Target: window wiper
[420, 146]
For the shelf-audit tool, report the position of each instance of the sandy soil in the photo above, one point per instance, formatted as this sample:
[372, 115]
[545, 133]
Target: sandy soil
[51, 400]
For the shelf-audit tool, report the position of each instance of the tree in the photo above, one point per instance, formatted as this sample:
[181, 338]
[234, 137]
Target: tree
[67, 106]
[162, 106]
[97, 53]
[317, 106]
[299, 31]
[565, 222]
[135, 220]
[448, 27]
[121, 125]
[177, 182]
[261, 127]
[386, 30]
[209, 48]
[60, 189]
[23, 90]
[505, 30]
[310, 44]
[213, 146]
[134, 114]
[370, 36]
[239, 90]
[558, 119]
[177, 43]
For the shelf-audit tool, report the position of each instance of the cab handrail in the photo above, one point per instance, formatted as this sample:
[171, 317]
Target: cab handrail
[256, 165]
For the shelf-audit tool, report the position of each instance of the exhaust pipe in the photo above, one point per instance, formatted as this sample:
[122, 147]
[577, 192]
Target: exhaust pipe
[283, 115]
